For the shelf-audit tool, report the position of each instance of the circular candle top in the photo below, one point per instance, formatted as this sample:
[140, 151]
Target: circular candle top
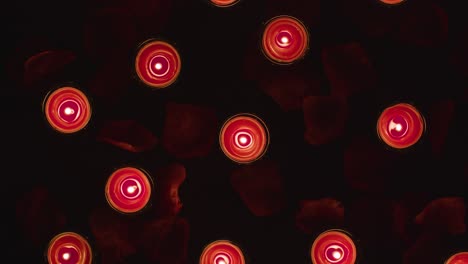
[128, 190]
[400, 126]
[222, 252]
[224, 3]
[157, 64]
[244, 138]
[333, 247]
[67, 109]
[285, 40]
[459, 258]
[392, 2]
[69, 248]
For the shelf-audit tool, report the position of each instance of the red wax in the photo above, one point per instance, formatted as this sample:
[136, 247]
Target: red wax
[400, 126]
[157, 64]
[224, 3]
[222, 252]
[128, 190]
[285, 40]
[69, 248]
[333, 247]
[67, 109]
[459, 258]
[244, 138]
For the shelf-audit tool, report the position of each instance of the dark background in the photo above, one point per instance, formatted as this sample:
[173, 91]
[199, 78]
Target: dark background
[213, 44]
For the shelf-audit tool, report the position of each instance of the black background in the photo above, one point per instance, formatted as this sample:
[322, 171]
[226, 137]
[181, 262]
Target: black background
[212, 43]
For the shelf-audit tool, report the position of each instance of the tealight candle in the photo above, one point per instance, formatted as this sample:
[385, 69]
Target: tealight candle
[128, 190]
[69, 248]
[67, 109]
[157, 64]
[285, 40]
[333, 247]
[222, 252]
[459, 258]
[244, 138]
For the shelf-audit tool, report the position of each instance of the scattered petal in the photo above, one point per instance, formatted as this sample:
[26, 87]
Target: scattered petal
[443, 216]
[169, 180]
[128, 135]
[316, 215]
[325, 118]
[348, 69]
[190, 131]
[260, 186]
[46, 64]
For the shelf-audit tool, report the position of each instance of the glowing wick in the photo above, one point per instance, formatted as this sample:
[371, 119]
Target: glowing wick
[243, 140]
[221, 262]
[284, 40]
[69, 111]
[158, 66]
[66, 256]
[336, 254]
[398, 127]
[131, 189]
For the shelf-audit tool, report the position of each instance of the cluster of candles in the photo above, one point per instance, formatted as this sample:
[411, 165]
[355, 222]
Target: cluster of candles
[243, 138]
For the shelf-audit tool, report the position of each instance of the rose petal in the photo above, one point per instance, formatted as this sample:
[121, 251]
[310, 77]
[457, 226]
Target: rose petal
[316, 215]
[348, 69]
[165, 240]
[45, 64]
[427, 250]
[366, 165]
[39, 216]
[112, 235]
[324, 118]
[422, 25]
[169, 179]
[110, 34]
[288, 88]
[190, 131]
[443, 216]
[128, 135]
[442, 113]
[260, 186]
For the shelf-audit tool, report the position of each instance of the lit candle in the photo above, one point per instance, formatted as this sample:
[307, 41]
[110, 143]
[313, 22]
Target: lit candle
[69, 248]
[224, 3]
[244, 138]
[222, 252]
[333, 247]
[400, 126]
[157, 64]
[67, 109]
[128, 190]
[285, 40]
[458, 258]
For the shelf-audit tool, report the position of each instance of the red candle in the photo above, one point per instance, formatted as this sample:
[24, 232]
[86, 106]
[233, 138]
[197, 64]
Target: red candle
[222, 252]
[69, 248]
[67, 109]
[157, 64]
[392, 2]
[285, 40]
[224, 3]
[128, 190]
[459, 258]
[400, 126]
[333, 247]
[244, 138]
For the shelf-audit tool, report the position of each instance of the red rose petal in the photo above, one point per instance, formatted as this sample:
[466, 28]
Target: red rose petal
[45, 64]
[288, 88]
[169, 179]
[260, 186]
[128, 135]
[112, 234]
[427, 250]
[441, 115]
[314, 215]
[348, 69]
[443, 216]
[165, 240]
[39, 216]
[190, 131]
[324, 118]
